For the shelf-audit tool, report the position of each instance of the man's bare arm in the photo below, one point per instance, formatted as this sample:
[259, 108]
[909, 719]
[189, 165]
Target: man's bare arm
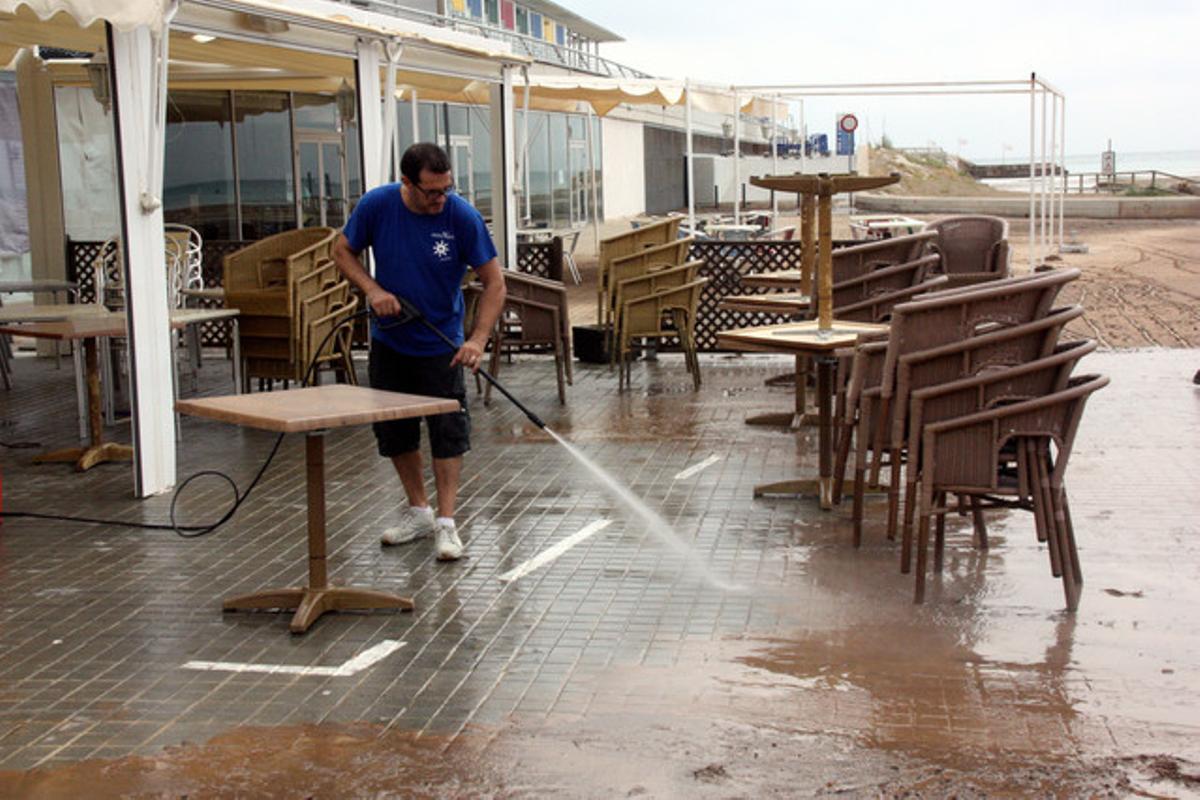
[486, 313]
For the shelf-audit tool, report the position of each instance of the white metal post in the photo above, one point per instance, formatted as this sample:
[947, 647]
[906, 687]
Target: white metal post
[416, 118]
[391, 136]
[523, 161]
[1044, 196]
[1062, 194]
[591, 148]
[504, 210]
[737, 159]
[138, 63]
[691, 172]
[774, 160]
[803, 138]
[1032, 170]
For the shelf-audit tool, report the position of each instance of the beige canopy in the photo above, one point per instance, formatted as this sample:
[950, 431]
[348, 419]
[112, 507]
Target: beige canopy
[123, 14]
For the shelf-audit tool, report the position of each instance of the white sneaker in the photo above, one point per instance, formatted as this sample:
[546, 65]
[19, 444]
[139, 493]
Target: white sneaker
[415, 523]
[445, 535]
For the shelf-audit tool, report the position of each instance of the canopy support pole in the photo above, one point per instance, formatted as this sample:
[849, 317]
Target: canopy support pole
[774, 158]
[371, 127]
[591, 148]
[1032, 168]
[504, 207]
[737, 159]
[691, 172]
[138, 62]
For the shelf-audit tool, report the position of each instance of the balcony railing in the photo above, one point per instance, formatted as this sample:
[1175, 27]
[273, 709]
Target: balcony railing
[537, 49]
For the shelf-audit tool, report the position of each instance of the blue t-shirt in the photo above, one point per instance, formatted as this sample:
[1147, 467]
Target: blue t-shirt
[422, 258]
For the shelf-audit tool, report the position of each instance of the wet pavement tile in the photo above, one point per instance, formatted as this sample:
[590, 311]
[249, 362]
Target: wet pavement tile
[766, 658]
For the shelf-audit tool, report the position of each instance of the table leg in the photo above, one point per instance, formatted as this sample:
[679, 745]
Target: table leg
[81, 396]
[98, 451]
[236, 354]
[822, 487]
[318, 597]
[798, 416]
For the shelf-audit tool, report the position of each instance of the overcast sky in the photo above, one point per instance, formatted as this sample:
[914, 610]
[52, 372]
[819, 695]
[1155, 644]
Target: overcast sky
[1130, 70]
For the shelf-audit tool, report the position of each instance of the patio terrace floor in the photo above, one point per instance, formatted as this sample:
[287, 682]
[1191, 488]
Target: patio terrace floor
[614, 670]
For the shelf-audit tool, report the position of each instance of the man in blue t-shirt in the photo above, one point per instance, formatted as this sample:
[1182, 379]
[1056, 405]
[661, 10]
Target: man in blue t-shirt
[423, 237]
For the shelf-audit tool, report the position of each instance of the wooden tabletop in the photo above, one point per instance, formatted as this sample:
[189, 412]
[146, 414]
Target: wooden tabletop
[796, 337]
[780, 302]
[89, 319]
[48, 285]
[810, 184]
[315, 407]
[776, 279]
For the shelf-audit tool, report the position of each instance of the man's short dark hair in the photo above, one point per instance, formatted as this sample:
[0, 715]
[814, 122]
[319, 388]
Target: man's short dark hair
[422, 156]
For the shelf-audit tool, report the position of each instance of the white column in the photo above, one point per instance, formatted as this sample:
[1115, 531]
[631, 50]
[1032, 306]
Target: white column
[691, 172]
[803, 138]
[527, 214]
[1044, 195]
[737, 159]
[140, 121]
[416, 117]
[390, 139]
[504, 207]
[370, 127]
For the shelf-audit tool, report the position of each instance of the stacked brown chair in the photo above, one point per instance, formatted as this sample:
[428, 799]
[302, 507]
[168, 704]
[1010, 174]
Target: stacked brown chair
[660, 314]
[974, 248]
[969, 455]
[942, 319]
[325, 339]
[535, 314]
[628, 243]
[648, 259]
[268, 281]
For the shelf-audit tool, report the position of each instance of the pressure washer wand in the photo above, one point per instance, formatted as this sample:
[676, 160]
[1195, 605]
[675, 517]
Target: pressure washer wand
[414, 313]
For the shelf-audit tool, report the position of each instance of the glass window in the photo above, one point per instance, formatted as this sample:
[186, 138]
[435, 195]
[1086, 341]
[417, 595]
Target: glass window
[404, 125]
[492, 9]
[459, 121]
[540, 208]
[198, 167]
[430, 121]
[476, 7]
[264, 143]
[317, 112]
[522, 21]
[354, 173]
[507, 17]
[535, 25]
[577, 126]
[481, 158]
[560, 186]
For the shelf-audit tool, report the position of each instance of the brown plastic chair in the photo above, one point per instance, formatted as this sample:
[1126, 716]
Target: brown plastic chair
[647, 284]
[661, 256]
[535, 314]
[659, 315]
[944, 318]
[970, 455]
[933, 404]
[323, 314]
[871, 296]
[628, 243]
[974, 248]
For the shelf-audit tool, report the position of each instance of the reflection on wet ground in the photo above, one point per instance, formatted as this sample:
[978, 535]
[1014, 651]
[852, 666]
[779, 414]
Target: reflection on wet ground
[612, 671]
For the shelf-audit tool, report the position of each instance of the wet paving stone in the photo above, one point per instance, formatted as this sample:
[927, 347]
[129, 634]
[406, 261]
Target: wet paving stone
[617, 668]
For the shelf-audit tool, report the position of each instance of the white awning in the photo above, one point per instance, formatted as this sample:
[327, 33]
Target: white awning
[123, 14]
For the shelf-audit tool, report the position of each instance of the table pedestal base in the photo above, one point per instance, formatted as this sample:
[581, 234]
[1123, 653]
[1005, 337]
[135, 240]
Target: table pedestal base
[821, 488]
[312, 603]
[784, 419]
[85, 458]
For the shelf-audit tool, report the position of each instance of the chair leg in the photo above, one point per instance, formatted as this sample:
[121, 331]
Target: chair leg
[923, 541]
[981, 535]
[846, 431]
[569, 355]
[906, 540]
[1043, 504]
[860, 467]
[1070, 580]
[559, 373]
[881, 436]
[893, 512]
[939, 544]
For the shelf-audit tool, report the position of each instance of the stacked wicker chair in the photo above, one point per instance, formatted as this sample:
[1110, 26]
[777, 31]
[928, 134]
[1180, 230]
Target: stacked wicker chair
[972, 392]
[273, 283]
[974, 248]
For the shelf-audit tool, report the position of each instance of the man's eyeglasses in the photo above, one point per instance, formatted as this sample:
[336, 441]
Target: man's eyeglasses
[434, 194]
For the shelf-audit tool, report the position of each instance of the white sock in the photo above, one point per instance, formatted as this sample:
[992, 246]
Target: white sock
[446, 521]
[423, 510]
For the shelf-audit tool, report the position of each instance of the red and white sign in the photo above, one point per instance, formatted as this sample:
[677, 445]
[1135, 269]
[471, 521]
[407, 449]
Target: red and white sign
[848, 123]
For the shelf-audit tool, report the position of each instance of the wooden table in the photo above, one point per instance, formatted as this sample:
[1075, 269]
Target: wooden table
[794, 304]
[805, 339]
[776, 279]
[313, 411]
[87, 329]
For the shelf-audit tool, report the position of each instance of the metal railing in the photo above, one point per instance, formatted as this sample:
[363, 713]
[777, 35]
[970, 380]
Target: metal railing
[1080, 182]
[537, 49]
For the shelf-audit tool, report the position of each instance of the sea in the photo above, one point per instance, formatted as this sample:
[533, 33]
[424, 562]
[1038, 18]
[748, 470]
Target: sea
[1182, 163]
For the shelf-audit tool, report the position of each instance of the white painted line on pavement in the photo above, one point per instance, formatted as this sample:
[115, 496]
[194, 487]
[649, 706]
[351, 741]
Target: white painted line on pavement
[554, 551]
[692, 470]
[366, 658]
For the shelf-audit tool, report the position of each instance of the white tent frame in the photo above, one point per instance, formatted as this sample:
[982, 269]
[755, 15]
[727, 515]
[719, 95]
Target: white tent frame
[1045, 225]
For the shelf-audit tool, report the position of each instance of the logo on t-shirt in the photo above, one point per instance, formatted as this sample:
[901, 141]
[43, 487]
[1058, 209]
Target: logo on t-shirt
[441, 249]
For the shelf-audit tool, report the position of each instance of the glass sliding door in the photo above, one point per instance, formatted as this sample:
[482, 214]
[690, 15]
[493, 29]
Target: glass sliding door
[321, 176]
[263, 130]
